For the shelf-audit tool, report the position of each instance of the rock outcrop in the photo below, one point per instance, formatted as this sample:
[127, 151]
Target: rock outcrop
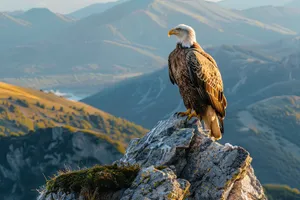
[178, 160]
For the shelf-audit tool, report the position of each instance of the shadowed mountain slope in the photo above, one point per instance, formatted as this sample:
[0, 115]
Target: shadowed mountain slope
[287, 17]
[26, 161]
[243, 70]
[94, 9]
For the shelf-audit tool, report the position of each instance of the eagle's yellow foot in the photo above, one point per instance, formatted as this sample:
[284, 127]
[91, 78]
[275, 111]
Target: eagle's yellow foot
[190, 116]
[182, 114]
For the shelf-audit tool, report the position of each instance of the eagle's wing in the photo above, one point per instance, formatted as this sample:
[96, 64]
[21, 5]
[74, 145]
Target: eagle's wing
[172, 79]
[206, 77]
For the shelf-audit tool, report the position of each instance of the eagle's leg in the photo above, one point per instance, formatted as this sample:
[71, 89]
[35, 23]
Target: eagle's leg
[182, 114]
[190, 116]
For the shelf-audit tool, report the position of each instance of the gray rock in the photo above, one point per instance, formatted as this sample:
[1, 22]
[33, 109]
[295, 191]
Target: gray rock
[160, 145]
[213, 170]
[59, 195]
[155, 184]
[193, 166]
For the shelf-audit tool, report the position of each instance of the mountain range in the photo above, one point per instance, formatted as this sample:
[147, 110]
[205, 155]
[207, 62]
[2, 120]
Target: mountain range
[280, 16]
[94, 9]
[36, 24]
[124, 41]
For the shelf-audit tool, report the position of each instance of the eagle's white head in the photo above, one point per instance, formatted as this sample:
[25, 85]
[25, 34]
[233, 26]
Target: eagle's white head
[185, 34]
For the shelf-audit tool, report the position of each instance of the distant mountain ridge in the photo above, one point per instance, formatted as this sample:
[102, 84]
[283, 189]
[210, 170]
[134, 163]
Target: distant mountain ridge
[38, 15]
[240, 5]
[127, 40]
[281, 16]
[36, 24]
[94, 9]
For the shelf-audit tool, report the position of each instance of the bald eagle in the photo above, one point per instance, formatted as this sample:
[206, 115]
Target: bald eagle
[199, 81]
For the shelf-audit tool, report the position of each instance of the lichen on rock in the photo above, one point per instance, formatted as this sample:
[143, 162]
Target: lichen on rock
[178, 160]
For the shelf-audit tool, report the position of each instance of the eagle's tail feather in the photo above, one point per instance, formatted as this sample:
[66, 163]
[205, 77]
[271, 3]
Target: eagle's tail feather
[211, 122]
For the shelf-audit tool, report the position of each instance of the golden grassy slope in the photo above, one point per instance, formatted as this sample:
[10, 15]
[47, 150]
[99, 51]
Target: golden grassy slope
[23, 110]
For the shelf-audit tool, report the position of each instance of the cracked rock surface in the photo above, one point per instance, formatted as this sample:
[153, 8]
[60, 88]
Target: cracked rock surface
[152, 183]
[179, 160]
[213, 170]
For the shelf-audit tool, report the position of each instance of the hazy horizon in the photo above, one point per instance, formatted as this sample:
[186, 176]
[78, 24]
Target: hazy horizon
[58, 6]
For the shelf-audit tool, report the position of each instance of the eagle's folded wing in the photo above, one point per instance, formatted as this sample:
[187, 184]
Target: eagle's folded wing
[206, 77]
[172, 79]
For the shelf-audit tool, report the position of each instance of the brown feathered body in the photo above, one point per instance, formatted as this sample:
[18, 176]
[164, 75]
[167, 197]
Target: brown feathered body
[200, 84]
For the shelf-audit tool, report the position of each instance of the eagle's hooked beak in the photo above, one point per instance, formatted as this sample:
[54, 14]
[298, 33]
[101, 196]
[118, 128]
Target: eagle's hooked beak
[173, 32]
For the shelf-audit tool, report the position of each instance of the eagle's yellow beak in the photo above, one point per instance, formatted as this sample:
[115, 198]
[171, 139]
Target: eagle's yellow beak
[173, 32]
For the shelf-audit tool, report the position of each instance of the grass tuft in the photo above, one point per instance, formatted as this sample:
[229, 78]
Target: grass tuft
[102, 179]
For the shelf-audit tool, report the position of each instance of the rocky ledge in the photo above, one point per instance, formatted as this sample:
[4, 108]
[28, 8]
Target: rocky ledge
[175, 160]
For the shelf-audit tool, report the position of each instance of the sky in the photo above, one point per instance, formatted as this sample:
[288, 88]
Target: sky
[59, 6]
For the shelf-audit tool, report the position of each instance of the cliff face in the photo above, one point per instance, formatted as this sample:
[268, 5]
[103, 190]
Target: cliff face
[179, 161]
[26, 161]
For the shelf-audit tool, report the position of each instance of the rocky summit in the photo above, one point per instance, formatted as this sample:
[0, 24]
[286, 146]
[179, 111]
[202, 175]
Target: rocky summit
[176, 160]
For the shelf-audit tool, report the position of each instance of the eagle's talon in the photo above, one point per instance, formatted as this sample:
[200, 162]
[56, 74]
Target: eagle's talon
[190, 116]
[183, 114]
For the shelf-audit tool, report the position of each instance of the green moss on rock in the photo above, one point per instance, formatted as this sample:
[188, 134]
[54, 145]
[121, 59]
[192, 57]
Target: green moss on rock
[100, 178]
